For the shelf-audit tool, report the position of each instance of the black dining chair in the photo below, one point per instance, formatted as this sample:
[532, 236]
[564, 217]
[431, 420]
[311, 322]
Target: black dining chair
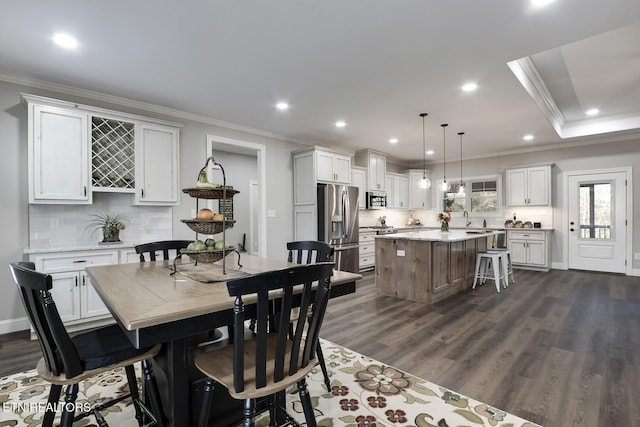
[307, 252]
[165, 246]
[69, 360]
[263, 366]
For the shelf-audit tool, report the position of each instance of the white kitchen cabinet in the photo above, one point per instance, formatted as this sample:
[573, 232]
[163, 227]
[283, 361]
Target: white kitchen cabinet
[157, 180]
[397, 190]
[419, 198]
[359, 180]
[530, 249]
[528, 186]
[58, 155]
[333, 167]
[75, 150]
[79, 304]
[376, 164]
[367, 251]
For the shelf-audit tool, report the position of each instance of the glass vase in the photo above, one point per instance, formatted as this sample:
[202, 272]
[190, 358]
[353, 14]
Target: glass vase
[444, 227]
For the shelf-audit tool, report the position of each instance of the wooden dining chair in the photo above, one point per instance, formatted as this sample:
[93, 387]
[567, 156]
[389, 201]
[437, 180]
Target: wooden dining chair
[307, 252]
[165, 246]
[69, 360]
[263, 366]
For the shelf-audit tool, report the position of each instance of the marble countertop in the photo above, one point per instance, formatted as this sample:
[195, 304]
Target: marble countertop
[46, 247]
[436, 236]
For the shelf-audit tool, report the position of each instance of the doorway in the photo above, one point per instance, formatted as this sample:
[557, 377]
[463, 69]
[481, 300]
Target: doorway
[598, 205]
[258, 196]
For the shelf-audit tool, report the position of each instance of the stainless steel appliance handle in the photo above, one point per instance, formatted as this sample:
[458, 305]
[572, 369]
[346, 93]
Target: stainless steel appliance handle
[345, 210]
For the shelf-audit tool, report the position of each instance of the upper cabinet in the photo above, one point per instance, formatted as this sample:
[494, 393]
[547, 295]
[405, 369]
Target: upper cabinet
[359, 179]
[529, 186]
[419, 198]
[58, 155]
[333, 167]
[397, 190]
[75, 150]
[376, 164]
[317, 165]
[157, 165]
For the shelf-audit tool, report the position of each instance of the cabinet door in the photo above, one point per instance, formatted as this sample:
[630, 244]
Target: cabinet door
[66, 294]
[377, 172]
[391, 193]
[157, 165]
[518, 251]
[342, 169]
[517, 188]
[538, 186]
[401, 191]
[418, 197]
[359, 179]
[324, 166]
[536, 252]
[59, 159]
[92, 304]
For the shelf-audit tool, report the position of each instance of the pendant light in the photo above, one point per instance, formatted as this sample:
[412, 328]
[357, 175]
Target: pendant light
[424, 183]
[445, 185]
[461, 190]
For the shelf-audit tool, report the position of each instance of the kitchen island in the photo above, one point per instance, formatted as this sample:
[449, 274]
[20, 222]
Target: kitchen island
[428, 266]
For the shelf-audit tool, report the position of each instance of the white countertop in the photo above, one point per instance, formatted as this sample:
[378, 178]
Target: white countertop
[438, 236]
[43, 248]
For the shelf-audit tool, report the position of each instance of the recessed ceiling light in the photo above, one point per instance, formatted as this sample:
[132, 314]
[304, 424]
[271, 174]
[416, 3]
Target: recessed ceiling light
[341, 124]
[282, 106]
[470, 87]
[65, 40]
[593, 112]
[528, 137]
[540, 3]
[429, 153]
[393, 141]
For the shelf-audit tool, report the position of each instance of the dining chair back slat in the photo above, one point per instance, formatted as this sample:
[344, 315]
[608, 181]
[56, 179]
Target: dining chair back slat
[163, 246]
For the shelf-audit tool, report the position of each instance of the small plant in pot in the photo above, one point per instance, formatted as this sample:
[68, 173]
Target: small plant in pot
[110, 226]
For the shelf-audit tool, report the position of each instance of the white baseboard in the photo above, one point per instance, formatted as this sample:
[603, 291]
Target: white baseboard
[13, 325]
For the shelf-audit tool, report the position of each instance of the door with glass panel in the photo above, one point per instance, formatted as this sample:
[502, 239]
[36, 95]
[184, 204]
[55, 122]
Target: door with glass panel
[597, 221]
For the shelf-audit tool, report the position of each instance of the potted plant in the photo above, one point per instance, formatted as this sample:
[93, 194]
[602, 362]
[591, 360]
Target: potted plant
[110, 226]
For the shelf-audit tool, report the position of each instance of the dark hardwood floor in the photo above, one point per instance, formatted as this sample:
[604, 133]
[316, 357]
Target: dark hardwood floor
[559, 348]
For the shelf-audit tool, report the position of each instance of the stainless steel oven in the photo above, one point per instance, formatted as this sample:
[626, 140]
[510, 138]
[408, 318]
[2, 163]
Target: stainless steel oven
[376, 200]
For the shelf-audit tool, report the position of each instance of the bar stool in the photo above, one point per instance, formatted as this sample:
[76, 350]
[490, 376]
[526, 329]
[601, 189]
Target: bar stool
[489, 262]
[506, 262]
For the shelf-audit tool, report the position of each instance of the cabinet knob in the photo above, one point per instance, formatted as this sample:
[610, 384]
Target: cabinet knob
[571, 229]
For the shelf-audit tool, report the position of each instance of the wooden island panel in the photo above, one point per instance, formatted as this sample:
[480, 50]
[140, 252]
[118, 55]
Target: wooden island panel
[427, 269]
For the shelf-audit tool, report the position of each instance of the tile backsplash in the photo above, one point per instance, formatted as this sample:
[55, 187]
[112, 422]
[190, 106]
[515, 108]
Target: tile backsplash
[51, 225]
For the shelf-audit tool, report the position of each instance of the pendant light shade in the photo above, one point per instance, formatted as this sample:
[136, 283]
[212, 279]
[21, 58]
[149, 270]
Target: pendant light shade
[445, 185]
[461, 189]
[425, 182]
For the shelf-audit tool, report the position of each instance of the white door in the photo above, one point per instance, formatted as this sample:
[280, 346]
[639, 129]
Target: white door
[597, 221]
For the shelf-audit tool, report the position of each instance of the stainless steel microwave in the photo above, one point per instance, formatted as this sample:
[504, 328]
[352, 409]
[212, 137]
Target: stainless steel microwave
[376, 200]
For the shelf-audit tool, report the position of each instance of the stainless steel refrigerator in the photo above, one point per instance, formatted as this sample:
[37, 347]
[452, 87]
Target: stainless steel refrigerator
[338, 223]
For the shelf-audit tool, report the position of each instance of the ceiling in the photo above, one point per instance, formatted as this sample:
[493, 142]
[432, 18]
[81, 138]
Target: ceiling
[374, 64]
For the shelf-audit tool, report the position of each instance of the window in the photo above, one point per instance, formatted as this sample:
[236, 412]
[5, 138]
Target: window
[484, 196]
[483, 199]
[595, 211]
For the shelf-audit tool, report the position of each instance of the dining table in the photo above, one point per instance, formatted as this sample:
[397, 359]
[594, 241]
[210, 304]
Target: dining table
[179, 305]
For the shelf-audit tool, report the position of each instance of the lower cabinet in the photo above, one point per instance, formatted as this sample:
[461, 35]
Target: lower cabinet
[367, 252]
[530, 249]
[79, 304]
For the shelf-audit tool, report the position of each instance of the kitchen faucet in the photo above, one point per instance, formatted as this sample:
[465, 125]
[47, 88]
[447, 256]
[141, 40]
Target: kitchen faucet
[465, 214]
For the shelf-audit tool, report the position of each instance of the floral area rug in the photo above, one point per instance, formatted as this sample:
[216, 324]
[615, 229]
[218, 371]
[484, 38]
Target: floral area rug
[364, 393]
